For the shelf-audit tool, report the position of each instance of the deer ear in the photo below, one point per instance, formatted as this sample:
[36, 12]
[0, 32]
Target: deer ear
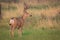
[26, 6]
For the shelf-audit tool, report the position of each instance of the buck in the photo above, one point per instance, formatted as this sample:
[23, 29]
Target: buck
[16, 22]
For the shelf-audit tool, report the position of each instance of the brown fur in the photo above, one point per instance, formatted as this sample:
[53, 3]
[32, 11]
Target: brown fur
[19, 22]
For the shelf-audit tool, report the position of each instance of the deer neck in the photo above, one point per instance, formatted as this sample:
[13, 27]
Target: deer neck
[24, 17]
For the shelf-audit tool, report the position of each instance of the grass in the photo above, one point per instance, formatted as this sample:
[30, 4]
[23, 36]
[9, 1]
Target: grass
[32, 30]
[9, 8]
[30, 34]
[39, 7]
[45, 6]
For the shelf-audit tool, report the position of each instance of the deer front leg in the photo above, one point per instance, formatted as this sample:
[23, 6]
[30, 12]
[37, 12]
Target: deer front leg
[12, 32]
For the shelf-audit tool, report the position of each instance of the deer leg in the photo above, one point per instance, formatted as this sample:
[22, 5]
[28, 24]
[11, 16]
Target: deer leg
[12, 31]
[20, 32]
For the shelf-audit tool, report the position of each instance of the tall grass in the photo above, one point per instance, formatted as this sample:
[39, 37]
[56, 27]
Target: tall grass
[9, 8]
[45, 6]
[30, 33]
[43, 25]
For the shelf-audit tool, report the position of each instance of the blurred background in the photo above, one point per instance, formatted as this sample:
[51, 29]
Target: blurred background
[43, 25]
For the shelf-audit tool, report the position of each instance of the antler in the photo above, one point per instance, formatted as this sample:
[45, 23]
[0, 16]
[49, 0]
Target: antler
[26, 6]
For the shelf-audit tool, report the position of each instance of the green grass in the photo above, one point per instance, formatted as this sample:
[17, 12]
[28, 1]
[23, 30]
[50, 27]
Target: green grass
[39, 7]
[45, 6]
[30, 34]
[29, 31]
[9, 8]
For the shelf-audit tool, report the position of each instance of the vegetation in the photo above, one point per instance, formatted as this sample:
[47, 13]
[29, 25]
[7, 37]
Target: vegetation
[9, 8]
[9, 1]
[43, 25]
[29, 33]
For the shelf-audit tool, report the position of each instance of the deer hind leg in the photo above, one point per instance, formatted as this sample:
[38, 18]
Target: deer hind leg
[20, 32]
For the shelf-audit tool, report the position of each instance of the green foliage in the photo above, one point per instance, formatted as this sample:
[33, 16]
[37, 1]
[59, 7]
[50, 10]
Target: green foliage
[45, 6]
[39, 7]
[55, 4]
[9, 8]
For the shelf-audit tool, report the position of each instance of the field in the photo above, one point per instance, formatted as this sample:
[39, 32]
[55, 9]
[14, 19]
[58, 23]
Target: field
[43, 25]
[30, 33]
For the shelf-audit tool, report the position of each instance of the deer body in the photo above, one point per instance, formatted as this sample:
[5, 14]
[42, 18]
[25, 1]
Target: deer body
[16, 22]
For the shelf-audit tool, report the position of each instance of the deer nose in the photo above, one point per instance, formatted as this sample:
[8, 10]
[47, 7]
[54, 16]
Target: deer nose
[30, 15]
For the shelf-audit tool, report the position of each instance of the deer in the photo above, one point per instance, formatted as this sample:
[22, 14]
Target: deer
[16, 22]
